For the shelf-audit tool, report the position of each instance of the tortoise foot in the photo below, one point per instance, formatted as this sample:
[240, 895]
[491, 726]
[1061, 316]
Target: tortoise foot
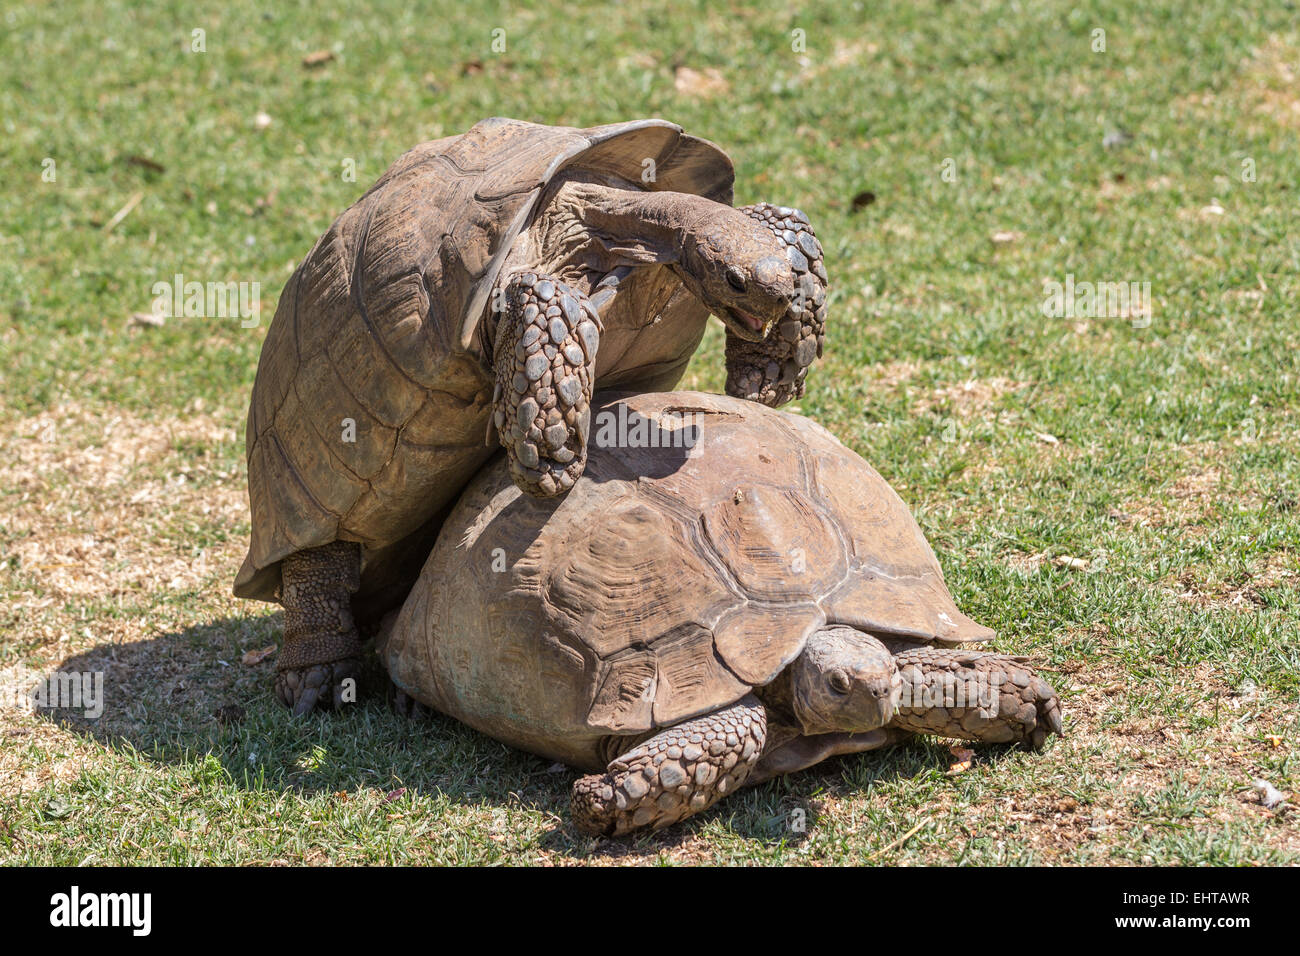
[545, 357]
[404, 705]
[676, 773]
[318, 687]
[320, 660]
[772, 371]
[993, 698]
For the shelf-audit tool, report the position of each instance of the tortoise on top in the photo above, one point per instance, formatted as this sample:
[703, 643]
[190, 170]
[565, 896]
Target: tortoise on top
[739, 601]
[483, 287]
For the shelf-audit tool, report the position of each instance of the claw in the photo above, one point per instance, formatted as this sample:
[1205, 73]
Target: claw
[307, 702]
[407, 706]
[318, 687]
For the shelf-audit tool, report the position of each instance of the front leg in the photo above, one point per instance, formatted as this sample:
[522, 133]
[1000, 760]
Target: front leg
[545, 359]
[676, 773]
[773, 371]
[973, 695]
[321, 645]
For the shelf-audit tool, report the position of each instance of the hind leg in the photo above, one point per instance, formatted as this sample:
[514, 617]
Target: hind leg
[675, 774]
[545, 359]
[321, 649]
[403, 704]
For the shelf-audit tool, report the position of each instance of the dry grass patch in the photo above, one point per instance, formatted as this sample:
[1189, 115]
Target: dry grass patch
[893, 374]
[1245, 594]
[1267, 85]
[97, 498]
[1211, 745]
[1272, 80]
[970, 398]
[1195, 498]
[112, 510]
[19, 773]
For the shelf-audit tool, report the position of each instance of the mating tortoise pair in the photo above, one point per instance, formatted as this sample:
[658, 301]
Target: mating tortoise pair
[740, 602]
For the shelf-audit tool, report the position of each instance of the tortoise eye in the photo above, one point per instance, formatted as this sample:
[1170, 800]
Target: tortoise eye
[838, 681]
[736, 279]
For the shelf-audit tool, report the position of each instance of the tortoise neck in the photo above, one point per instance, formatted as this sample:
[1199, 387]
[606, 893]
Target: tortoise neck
[657, 224]
[778, 696]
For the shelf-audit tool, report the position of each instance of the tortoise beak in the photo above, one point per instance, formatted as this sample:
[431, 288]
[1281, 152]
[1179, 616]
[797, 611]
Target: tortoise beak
[745, 325]
[770, 272]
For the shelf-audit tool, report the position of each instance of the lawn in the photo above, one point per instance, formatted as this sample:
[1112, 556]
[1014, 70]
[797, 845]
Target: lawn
[1116, 494]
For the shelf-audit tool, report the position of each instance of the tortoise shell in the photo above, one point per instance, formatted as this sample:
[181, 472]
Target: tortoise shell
[374, 388]
[668, 583]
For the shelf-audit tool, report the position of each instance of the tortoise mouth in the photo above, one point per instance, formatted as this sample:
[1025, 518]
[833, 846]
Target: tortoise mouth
[745, 325]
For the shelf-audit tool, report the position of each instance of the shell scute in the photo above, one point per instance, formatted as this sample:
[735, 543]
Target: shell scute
[882, 534]
[776, 543]
[634, 577]
[756, 642]
[917, 606]
[691, 676]
[625, 700]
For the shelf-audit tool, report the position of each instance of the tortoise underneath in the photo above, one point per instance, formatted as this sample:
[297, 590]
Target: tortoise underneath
[728, 595]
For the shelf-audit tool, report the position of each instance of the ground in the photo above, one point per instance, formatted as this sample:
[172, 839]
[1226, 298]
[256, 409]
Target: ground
[1115, 494]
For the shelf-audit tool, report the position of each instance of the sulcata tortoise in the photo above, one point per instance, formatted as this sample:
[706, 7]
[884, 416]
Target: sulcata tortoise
[482, 288]
[729, 595]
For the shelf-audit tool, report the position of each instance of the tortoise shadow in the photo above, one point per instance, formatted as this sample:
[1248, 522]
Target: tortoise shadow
[188, 695]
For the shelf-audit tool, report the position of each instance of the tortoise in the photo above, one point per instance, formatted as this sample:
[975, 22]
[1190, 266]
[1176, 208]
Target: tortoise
[475, 295]
[729, 595]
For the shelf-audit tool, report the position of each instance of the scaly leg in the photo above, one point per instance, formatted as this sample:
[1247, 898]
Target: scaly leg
[545, 358]
[676, 773]
[975, 695]
[773, 371]
[321, 645]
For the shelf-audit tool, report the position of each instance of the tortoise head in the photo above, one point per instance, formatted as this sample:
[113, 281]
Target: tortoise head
[844, 681]
[738, 269]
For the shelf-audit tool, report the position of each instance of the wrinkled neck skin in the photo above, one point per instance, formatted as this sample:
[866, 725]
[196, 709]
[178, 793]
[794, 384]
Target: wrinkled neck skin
[777, 698]
[644, 227]
[587, 226]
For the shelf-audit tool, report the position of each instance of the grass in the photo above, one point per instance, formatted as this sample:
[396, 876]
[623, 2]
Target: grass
[1163, 453]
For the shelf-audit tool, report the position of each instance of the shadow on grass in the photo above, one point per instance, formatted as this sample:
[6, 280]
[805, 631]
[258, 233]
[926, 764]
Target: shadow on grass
[186, 698]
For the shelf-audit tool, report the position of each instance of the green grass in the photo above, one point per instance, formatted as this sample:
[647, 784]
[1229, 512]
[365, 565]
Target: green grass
[1166, 456]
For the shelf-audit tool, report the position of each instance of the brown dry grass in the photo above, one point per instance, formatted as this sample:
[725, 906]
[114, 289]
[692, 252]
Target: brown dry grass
[104, 511]
[100, 493]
